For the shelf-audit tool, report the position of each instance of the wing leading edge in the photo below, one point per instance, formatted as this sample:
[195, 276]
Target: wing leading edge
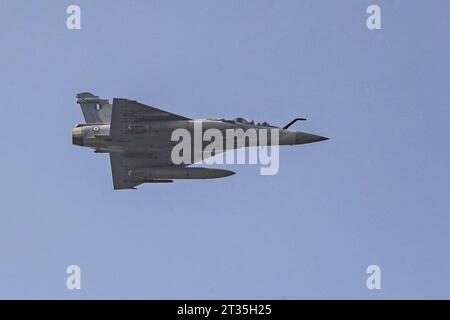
[125, 112]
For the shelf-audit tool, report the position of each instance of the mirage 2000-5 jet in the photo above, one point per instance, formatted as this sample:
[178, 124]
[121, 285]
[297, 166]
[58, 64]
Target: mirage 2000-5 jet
[138, 139]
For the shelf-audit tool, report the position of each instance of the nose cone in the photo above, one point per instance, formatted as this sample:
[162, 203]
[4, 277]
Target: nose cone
[77, 136]
[303, 137]
[227, 173]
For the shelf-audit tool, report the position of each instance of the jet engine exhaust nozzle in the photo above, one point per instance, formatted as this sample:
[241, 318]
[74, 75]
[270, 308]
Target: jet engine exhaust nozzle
[77, 136]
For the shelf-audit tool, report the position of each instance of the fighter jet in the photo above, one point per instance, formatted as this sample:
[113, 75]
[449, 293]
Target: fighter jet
[139, 139]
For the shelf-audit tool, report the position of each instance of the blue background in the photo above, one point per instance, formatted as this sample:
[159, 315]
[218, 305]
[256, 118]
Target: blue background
[376, 193]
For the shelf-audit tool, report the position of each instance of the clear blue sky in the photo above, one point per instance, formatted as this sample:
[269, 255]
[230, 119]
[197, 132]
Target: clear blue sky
[376, 193]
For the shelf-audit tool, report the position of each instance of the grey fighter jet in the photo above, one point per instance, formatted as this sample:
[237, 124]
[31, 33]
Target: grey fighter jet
[139, 141]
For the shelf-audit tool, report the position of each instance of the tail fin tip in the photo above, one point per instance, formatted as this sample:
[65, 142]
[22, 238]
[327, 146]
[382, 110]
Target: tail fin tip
[95, 110]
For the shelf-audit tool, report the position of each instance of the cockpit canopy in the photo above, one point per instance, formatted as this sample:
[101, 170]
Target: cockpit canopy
[245, 121]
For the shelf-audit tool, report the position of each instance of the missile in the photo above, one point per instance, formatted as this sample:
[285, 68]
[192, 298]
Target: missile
[169, 173]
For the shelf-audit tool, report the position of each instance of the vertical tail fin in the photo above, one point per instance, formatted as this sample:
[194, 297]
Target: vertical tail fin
[95, 110]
